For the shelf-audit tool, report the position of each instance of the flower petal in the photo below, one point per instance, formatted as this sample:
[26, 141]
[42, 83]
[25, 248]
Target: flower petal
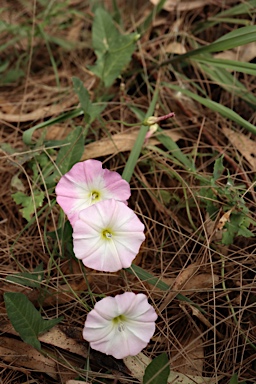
[113, 253]
[75, 189]
[109, 328]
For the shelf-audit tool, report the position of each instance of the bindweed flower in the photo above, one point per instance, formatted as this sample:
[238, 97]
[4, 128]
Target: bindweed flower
[120, 326]
[107, 236]
[88, 183]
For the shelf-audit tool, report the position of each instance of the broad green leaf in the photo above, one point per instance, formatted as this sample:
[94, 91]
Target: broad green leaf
[157, 371]
[113, 50]
[234, 379]
[29, 203]
[224, 111]
[83, 96]
[26, 319]
[91, 111]
[32, 279]
[71, 153]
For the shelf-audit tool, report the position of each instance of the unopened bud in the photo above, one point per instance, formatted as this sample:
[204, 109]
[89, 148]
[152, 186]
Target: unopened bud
[153, 120]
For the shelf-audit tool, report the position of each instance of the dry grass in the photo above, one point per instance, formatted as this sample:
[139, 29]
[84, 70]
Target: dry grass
[180, 246]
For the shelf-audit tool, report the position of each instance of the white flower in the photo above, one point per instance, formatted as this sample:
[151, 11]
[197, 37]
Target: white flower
[120, 326]
[107, 236]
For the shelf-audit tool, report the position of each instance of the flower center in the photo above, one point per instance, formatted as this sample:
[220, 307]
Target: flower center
[119, 322]
[95, 196]
[107, 234]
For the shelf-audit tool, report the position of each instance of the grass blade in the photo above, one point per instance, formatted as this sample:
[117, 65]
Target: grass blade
[135, 153]
[216, 107]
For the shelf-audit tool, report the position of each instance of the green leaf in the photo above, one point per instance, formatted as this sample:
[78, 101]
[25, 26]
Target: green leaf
[91, 111]
[29, 203]
[136, 150]
[218, 168]
[83, 96]
[27, 279]
[26, 319]
[157, 371]
[71, 153]
[113, 50]
[234, 379]
[243, 231]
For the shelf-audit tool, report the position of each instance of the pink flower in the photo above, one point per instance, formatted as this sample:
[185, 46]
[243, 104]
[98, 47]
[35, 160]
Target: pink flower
[107, 236]
[120, 326]
[87, 183]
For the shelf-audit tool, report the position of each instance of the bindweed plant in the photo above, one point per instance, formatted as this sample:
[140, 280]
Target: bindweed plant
[157, 252]
[235, 218]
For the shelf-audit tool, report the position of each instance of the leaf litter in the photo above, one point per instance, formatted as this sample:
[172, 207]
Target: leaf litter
[219, 280]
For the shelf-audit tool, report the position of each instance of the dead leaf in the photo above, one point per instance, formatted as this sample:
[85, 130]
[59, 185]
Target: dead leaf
[191, 359]
[224, 218]
[179, 283]
[19, 354]
[66, 338]
[175, 47]
[40, 113]
[243, 53]
[120, 142]
[137, 365]
[197, 282]
[246, 146]
[76, 382]
[180, 5]
[205, 321]
[57, 132]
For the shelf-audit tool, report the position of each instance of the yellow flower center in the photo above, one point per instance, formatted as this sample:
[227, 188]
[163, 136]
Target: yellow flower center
[95, 196]
[119, 322]
[107, 234]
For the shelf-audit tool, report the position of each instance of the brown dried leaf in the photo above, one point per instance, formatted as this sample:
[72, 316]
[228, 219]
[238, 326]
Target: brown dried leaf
[179, 5]
[120, 142]
[175, 47]
[68, 339]
[243, 53]
[40, 113]
[243, 144]
[190, 361]
[197, 282]
[77, 382]
[205, 321]
[179, 283]
[224, 218]
[137, 365]
[19, 354]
